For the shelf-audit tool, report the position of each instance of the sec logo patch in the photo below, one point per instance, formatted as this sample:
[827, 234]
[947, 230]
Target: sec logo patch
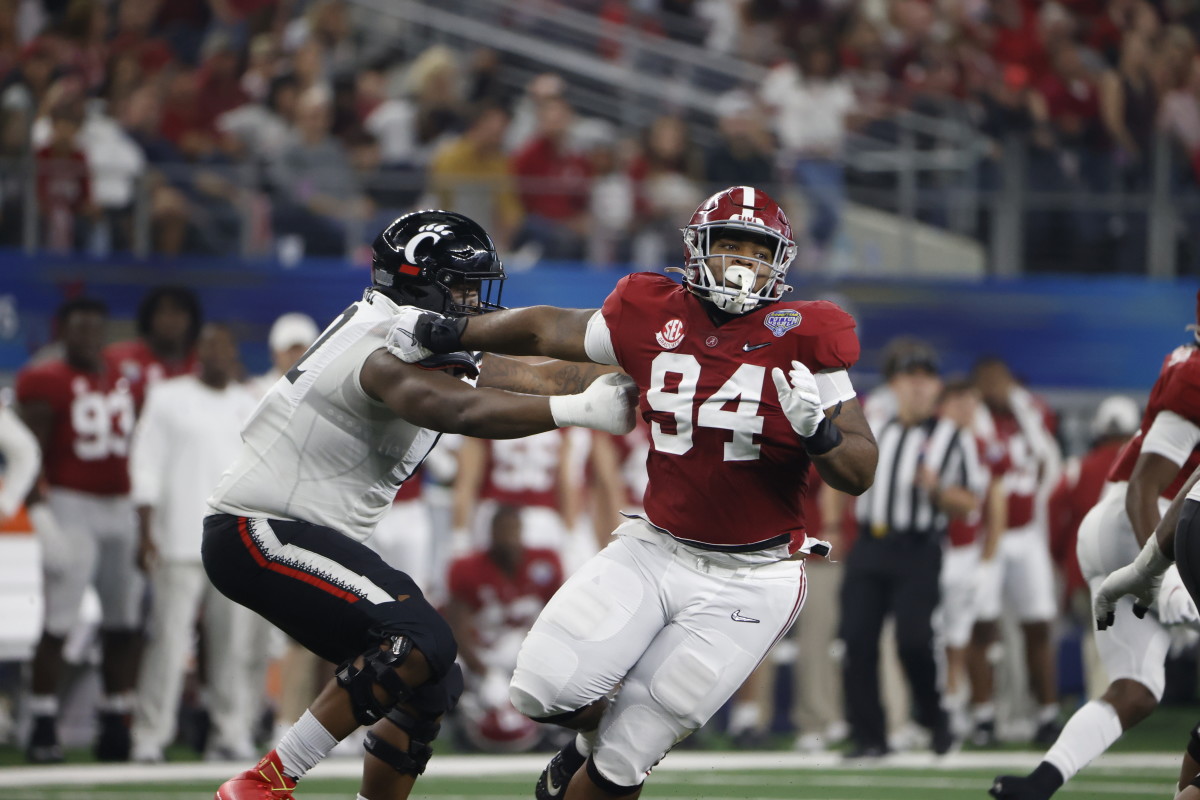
[671, 335]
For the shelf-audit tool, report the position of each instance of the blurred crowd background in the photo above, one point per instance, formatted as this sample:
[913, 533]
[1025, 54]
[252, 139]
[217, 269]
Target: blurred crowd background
[250, 150]
[1026, 136]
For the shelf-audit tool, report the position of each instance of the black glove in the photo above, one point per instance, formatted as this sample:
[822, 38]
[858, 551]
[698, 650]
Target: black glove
[440, 334]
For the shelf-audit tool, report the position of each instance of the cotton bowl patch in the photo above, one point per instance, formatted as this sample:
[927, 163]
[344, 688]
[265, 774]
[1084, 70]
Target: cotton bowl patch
[782, 321]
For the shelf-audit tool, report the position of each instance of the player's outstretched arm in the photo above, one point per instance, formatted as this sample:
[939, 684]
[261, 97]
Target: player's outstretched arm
[534, 331]
[850, 466]
[1152, 474]
[547, 377]
[432, 399]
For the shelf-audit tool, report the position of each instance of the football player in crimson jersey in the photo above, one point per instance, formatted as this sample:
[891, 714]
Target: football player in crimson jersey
[168, 323]
[1148, 473]
[82, 414]
[742, 390]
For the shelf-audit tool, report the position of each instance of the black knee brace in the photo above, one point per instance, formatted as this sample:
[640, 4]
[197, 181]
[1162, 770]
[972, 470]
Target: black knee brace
[378, 668]
[421, 731]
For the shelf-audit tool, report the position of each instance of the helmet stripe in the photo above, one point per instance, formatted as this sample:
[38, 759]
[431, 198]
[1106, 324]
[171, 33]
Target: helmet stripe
[749, 198]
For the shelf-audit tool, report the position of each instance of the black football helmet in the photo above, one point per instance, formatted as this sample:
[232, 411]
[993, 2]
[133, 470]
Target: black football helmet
[421, 257]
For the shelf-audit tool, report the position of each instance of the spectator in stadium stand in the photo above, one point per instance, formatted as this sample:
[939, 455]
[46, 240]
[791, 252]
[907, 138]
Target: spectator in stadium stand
[810, 101]
[168, 322]
[170, 212]
[316, 190]
[26, 87]
[434, 81]
[263, 128]
[553, 185]
[745, 152]
[1021, 584]
[471, 172]
[82, 413]
[64, 187]
[1115, 420]
[928, 473]
[200, 415]
[665, 176]
[495, 594]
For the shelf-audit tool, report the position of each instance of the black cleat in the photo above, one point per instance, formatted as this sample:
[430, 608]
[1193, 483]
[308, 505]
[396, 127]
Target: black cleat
[984, 734]
[942, 740]
[1047, 732]
[43, 745]
[552, 783]
[114, 742]
[1041, 784]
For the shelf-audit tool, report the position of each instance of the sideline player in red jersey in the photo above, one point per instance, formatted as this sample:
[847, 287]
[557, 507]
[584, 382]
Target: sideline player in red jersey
[1147, 474]
[643, 644]
[82, 414]
[495, 594]
[168, 323]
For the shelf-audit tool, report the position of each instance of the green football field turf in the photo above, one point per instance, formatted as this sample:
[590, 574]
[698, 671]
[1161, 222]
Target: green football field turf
[805, 784]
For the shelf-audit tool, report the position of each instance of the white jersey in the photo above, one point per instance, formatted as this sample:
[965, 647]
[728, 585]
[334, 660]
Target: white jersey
[318, 448]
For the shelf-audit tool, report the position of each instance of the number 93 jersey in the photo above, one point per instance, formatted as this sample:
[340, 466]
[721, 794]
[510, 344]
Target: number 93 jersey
[727, 472]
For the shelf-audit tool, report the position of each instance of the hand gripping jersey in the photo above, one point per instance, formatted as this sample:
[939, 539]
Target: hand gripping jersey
[317, 448]
[726, 469]
[93, 420]
[1173, 414]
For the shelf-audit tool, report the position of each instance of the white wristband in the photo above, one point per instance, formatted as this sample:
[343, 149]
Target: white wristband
[568, 409]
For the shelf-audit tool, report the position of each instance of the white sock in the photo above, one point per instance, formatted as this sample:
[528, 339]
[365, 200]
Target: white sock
[744, 716]
[303, 747]
[359, 797]
[1047, 713]
[118, 703]
[1089, 732]
[43, 705]
[984, 712]
[584, 742]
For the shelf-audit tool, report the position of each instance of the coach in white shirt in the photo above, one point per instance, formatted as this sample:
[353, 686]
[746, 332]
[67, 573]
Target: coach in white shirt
[188, 434]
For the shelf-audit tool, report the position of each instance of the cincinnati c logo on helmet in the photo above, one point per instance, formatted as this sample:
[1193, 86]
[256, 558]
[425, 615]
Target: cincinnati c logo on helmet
[433, 231]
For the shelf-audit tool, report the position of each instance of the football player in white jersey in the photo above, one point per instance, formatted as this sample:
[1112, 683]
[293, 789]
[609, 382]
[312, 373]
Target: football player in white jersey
[323, 456]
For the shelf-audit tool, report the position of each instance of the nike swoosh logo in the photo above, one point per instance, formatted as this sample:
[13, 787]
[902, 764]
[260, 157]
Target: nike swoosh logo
[737, 617]
[748, 347]
[551, 788]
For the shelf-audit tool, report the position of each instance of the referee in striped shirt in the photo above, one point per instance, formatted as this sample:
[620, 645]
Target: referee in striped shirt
[922, 480]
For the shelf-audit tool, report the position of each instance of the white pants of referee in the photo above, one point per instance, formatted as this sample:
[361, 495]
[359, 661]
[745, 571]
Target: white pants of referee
[236, 660]
[677, 628]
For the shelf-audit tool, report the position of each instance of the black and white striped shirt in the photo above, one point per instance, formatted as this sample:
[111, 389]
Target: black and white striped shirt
[895, 503]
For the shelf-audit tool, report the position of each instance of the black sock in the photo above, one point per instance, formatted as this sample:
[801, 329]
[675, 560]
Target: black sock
[572, 759]
[1047, 777]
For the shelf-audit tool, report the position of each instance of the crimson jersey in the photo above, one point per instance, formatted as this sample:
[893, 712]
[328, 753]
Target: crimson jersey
[1022, 465]
[1072, 498]
[726, 469]
[137, 363]
[500, 600]
[93, 418]
[524, 472]
[1177, 389]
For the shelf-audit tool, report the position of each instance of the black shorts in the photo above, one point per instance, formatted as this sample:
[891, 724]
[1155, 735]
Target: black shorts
[330, 593]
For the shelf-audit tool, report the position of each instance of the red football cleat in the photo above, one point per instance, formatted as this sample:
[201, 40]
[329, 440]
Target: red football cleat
[265, 781]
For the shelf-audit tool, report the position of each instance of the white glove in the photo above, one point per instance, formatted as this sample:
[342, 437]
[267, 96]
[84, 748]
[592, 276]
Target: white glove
[800, 400]
[400, 340]
[1174, 604]
[608, 405]
[1140, 579]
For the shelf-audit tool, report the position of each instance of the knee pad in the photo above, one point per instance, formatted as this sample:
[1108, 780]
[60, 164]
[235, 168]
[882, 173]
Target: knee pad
[379, 668]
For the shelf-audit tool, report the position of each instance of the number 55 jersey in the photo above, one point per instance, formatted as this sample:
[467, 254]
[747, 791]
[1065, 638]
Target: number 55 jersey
[727, 470]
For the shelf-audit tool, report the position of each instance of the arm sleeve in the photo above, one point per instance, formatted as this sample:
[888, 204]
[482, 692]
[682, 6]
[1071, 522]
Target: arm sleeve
[1172, 437]
[598, 341]
[148, 453]
[22, 460]
[834, 387]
